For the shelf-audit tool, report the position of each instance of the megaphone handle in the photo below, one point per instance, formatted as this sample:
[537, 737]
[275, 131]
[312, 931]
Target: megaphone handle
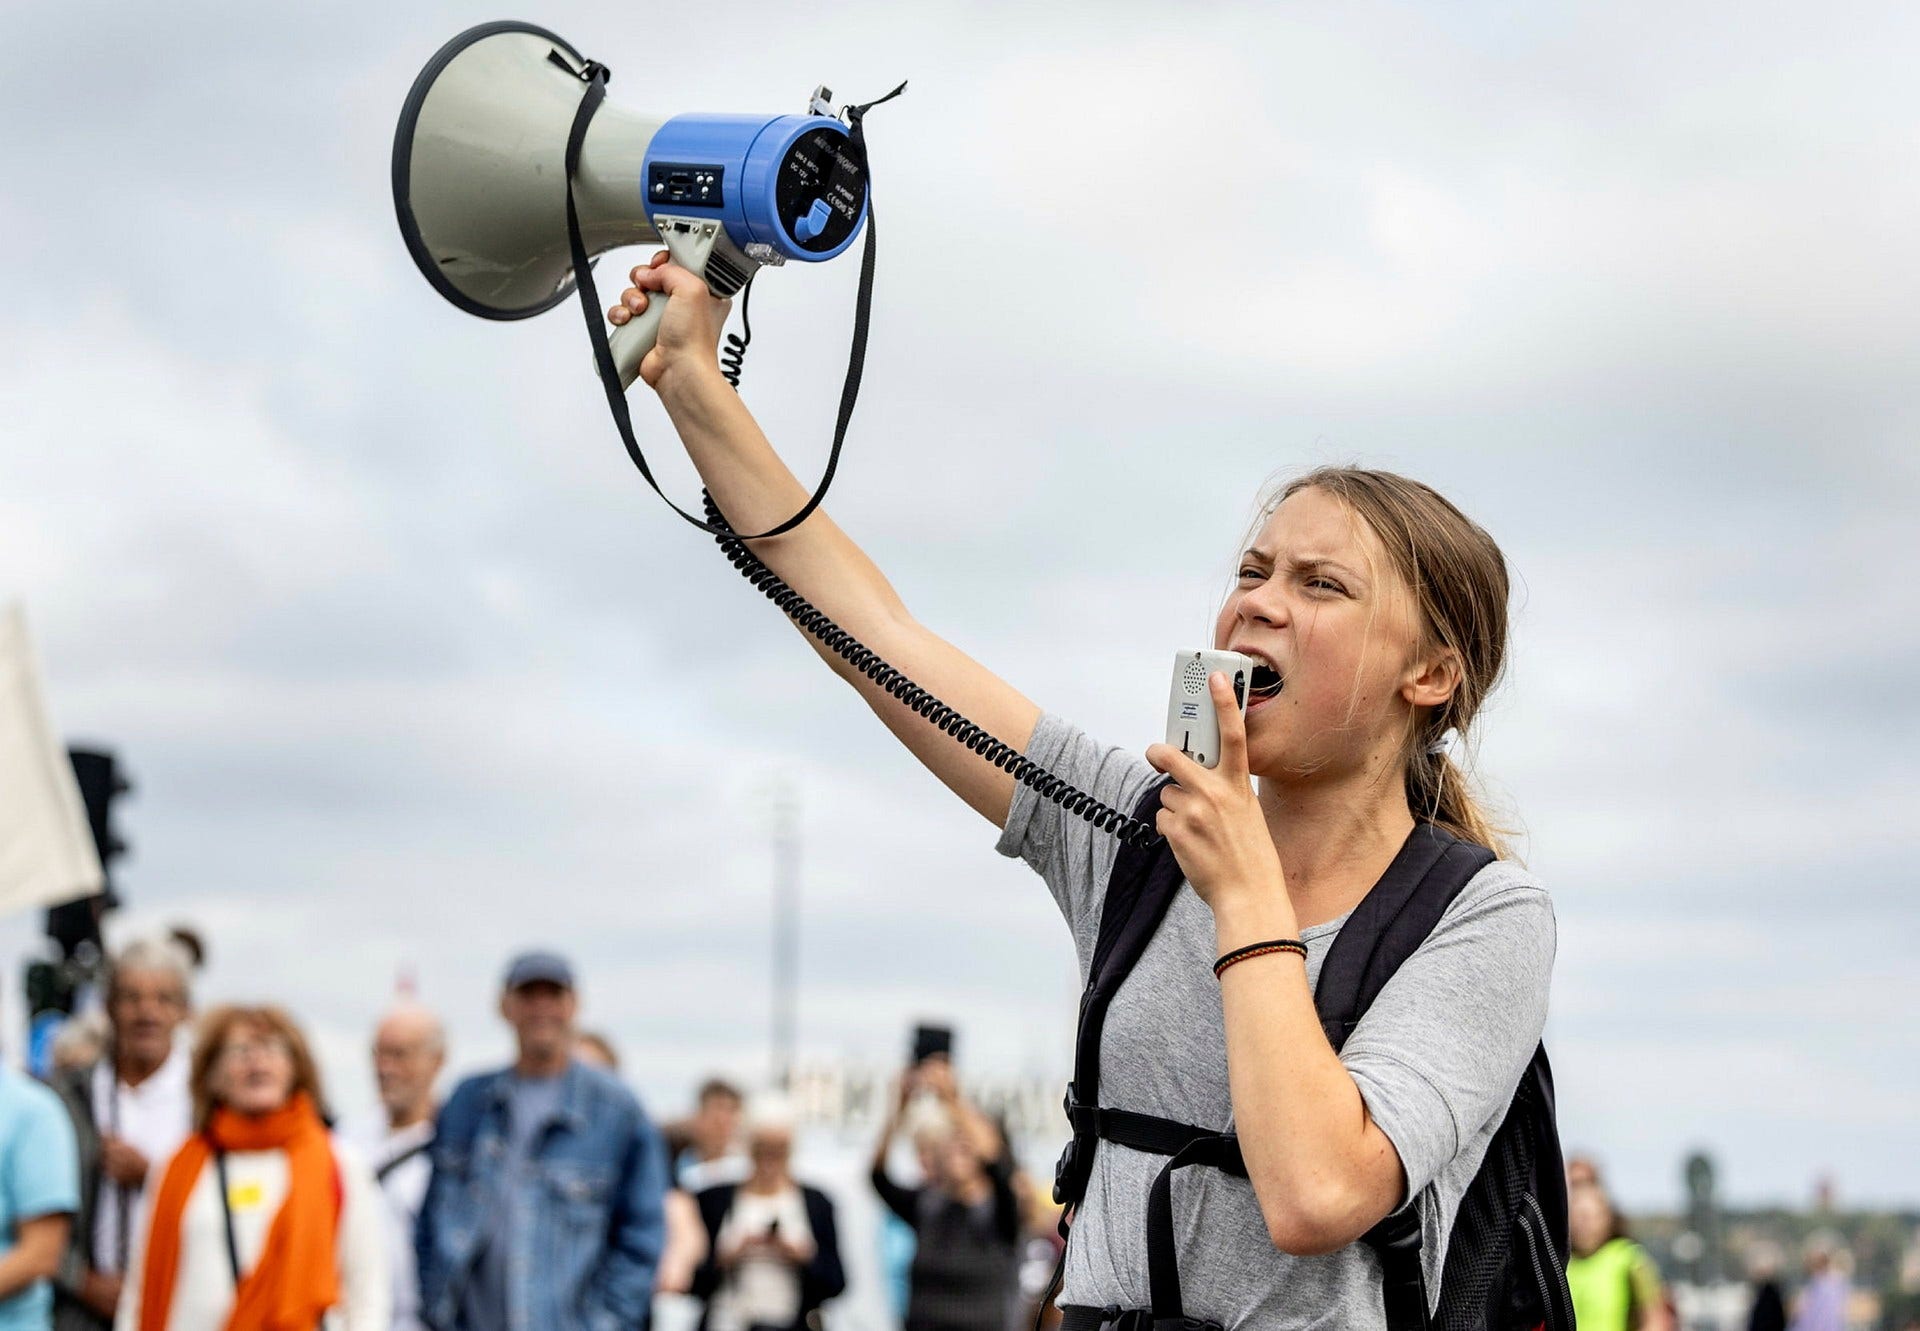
[632, 340]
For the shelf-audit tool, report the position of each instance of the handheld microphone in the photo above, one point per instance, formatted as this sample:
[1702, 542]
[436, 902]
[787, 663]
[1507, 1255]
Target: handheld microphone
[1193, 724]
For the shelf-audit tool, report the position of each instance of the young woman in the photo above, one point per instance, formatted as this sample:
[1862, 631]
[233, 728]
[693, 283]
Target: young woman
[259, 1222]
[1379, 615]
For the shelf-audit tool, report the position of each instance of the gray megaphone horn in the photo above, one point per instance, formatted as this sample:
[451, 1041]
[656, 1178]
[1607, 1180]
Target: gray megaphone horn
[480, 182]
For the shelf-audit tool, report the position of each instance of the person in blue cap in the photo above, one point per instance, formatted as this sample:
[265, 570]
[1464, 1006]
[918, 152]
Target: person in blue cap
[546, 1207]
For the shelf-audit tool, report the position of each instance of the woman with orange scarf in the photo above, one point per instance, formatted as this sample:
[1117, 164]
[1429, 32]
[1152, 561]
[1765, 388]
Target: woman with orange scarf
[260, 1222]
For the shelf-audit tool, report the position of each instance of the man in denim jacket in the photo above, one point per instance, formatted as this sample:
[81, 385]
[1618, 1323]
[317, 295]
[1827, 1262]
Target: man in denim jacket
[546, 1208]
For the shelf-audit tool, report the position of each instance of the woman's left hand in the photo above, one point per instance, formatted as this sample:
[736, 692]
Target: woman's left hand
[1212, 818]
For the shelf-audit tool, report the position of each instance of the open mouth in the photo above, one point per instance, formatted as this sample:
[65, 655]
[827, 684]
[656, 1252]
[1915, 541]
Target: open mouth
[1266, 683]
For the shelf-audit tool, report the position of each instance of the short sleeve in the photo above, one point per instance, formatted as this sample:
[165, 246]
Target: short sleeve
[1438, 1055]
[1063, 848]
[42, 1162]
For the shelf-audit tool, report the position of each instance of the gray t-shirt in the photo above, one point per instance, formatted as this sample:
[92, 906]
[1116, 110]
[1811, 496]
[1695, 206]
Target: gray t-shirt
[1436, 1059]
[532, 1103]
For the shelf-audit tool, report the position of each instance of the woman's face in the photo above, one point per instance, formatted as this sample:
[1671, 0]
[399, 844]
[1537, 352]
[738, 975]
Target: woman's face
[1318, 600]
[961, 1164]
[1589, 1218]
[254, 1073]
[770, 1150]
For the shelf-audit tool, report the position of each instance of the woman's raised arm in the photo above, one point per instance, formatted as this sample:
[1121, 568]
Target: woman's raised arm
[755, 490]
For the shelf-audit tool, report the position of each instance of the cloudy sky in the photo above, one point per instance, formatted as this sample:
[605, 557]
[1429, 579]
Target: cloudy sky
[411, 669]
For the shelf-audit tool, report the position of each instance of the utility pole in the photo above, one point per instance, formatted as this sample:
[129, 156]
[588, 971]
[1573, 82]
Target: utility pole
[786, 928]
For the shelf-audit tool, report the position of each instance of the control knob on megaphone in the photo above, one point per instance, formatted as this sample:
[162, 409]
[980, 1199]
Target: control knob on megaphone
[480, 182]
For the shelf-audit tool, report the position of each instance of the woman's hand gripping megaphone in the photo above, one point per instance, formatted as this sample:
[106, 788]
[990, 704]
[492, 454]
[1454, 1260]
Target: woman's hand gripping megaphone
[681, 314]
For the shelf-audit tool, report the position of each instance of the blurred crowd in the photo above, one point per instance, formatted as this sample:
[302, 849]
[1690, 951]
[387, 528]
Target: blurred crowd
[1617, 1287]
[185, 1171]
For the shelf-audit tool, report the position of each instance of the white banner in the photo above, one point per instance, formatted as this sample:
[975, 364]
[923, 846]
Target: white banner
[46, 851]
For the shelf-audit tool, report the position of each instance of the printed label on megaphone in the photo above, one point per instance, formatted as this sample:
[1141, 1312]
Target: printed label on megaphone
[480, 182]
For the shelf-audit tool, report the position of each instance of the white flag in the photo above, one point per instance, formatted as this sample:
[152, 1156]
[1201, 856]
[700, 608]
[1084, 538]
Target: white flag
[46, 850]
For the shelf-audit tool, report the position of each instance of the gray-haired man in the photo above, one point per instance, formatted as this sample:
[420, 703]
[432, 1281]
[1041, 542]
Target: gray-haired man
[409, 1051]
[130, 1110]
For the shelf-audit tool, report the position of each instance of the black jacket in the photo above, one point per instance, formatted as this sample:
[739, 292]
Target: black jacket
[820, 1279]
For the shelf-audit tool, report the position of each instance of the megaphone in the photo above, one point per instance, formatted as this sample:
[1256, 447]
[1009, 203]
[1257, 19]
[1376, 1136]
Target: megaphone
[481, 182]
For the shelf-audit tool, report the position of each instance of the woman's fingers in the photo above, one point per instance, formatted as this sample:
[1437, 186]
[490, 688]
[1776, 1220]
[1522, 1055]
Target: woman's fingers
[1169, 761]
[659, 257]
[632, 301]
[1233, 726]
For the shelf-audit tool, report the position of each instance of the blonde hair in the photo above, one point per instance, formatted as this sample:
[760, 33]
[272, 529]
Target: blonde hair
[1458, 579]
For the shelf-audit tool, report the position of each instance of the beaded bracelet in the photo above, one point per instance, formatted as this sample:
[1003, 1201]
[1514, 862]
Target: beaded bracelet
[1292, 945]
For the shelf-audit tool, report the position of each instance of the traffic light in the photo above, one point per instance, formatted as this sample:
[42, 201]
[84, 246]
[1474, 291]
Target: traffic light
[101, 782]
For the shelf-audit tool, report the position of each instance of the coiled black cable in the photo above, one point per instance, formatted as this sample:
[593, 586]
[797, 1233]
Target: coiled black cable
[733, 357]
[843, 644]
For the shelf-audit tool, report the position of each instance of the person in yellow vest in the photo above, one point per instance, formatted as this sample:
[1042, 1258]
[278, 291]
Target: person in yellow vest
[1615, 1285]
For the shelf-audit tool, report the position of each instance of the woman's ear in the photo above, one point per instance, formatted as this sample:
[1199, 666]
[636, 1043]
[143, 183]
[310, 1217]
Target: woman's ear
[1432, 681]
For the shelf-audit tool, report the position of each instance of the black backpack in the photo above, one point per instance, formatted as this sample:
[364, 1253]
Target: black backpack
[1507, 1256]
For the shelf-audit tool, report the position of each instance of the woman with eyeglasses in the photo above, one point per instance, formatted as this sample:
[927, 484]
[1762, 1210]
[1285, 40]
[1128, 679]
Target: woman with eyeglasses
[260, 1222]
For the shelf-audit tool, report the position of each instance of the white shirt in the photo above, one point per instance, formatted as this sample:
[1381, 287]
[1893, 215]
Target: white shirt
[405, 1188]
[256, 1186]
[760, 1290]
[153, 1118]
[697, 1175]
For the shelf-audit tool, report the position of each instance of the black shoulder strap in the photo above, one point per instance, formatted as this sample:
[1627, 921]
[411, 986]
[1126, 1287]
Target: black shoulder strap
[1390, 924]
[1140, 889]
[1387, 927]
[226, 1212]
[381, 1174]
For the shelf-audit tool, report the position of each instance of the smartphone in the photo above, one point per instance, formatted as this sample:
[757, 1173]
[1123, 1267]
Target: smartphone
[1193, 726]
[931, 1040]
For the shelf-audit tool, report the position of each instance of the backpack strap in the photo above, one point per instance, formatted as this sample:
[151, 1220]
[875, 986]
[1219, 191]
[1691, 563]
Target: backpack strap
[418, 1149]
[1387, 927]
[1220, 1150]
[1140, 889]
[1390, 924]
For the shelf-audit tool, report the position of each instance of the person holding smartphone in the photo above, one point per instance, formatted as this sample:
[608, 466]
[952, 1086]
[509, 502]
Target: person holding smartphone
[963, 1213]
[1376, 614]
[773, 1249]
